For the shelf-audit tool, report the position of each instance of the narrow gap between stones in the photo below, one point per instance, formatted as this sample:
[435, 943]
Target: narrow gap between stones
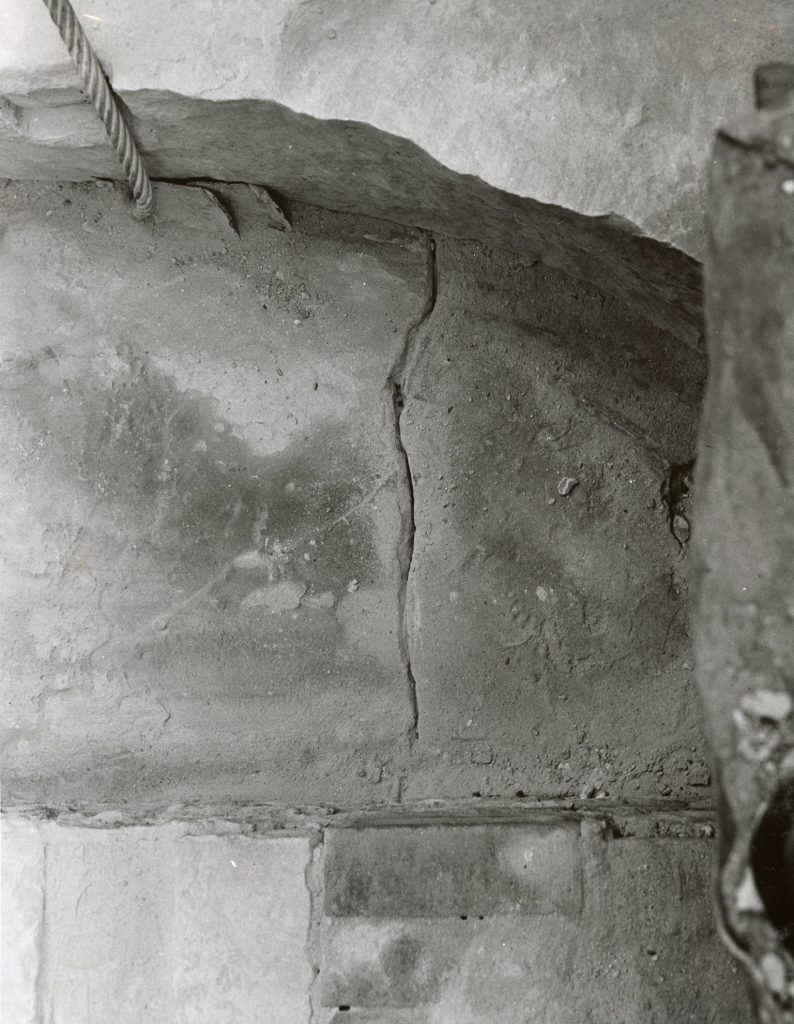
[676, 489]
[397, 387]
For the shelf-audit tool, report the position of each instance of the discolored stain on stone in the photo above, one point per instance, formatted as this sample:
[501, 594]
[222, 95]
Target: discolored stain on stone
[191, 492]
[194, 482]
[439, 872]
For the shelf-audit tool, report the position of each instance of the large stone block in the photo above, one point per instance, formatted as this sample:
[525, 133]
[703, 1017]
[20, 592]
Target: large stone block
[443, 871]
[207, 514]
[242, 919]
[154, 924]
[109, 925]
[202, 496]
[549, 436]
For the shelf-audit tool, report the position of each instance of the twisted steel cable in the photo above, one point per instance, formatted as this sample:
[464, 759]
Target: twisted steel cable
[98, 90]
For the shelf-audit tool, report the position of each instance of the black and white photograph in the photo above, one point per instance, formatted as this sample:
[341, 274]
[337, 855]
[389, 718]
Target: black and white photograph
[397, 511]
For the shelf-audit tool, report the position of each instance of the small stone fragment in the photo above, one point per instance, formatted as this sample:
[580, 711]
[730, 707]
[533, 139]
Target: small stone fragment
[774, 705]
[274, 214]
[482, 754]
[681, 528]
[698, 775]
[352, 586]
[775, 972]
[747, 899]
[253, 560]
[566, 485]
[278, 597]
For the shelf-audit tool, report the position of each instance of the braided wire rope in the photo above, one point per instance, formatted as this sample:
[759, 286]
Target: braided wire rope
[98, 90]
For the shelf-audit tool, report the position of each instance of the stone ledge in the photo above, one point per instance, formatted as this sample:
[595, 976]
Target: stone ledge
[668, 819]
[463, 127]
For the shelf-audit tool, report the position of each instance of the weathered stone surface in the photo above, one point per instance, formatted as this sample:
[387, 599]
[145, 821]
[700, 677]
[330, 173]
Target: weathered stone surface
[199, 450]
[745, 548]
[644, 949]
[22, 895]
[446, 871]
[549, 632]
[154, 924]
[188, 922]
[206, 505]
[492, 126]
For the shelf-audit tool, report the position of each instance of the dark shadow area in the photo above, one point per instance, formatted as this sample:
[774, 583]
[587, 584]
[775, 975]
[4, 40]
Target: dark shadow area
[772, 862]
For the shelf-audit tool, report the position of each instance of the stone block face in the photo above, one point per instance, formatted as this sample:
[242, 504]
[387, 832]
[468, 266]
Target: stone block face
[642, 948]
[548, 597]
[21, 934]
[201, 582]
[109, 927]
[242, 919]
[153, 924]
[202, 574]
[448, 871]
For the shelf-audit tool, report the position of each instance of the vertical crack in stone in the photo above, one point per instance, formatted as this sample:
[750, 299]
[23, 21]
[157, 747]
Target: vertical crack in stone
[313, 875]
[397, 385]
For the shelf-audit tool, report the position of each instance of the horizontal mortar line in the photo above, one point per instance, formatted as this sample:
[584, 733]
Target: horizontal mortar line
[280, 817]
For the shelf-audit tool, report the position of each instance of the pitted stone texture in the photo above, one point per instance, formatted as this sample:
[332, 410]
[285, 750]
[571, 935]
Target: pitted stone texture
[548, 621]
[644, 948]
[445, 871]
[581, 138]
[154, 924]
[21, 934]
[199, 454]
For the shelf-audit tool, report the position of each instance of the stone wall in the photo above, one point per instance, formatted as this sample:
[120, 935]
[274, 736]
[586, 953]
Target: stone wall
[548, 919]
[345, 590]
[222, 581]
